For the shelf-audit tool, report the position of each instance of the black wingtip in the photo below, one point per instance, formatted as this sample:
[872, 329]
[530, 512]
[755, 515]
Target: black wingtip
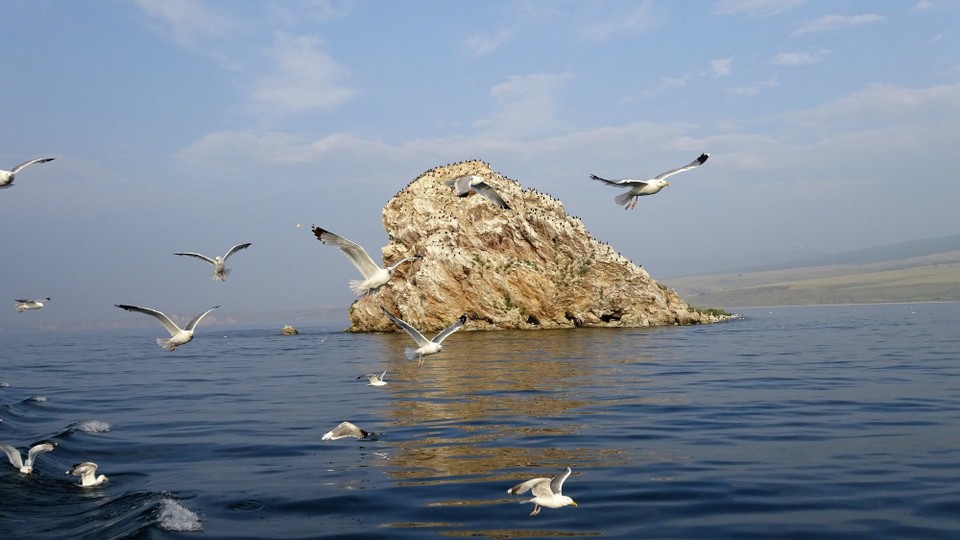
[703, 157]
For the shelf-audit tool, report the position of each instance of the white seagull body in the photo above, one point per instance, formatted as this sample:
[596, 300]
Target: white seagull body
[219, 270]
[376, 379]
[6, 177]
[343, 430]
[87, 471]
[178, 336]
[546, 492]
[374, 277]
[639, 188]
[425, 347]
[26, 305]
[26, 467]
[463, 185]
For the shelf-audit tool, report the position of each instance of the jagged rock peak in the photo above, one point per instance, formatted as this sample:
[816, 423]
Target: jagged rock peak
[529, 267]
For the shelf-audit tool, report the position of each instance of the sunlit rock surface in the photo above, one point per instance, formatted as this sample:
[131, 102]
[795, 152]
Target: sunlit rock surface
[529, 267]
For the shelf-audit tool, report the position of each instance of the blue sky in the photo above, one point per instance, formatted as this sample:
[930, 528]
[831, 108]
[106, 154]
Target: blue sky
[193, 126]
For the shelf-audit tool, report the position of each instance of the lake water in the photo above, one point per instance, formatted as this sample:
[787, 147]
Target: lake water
[824, 422]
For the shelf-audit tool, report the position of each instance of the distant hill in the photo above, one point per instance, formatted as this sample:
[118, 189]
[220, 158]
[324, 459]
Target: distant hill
[916, 271]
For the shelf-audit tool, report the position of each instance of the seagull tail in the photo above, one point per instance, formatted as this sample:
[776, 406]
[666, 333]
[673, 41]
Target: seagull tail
[410, 353]
[358, 287]
[165, 343]
[220, 276]
[623, 199]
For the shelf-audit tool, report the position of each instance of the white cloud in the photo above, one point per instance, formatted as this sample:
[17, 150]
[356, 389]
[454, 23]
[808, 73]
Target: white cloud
[799, 58]
[481, 45]
[189, 21]
[306, 78]
[525, 105]
[751, 90]
[837, 22]
[755, 8]
[721, 67]
[631, 23]
[923, 5]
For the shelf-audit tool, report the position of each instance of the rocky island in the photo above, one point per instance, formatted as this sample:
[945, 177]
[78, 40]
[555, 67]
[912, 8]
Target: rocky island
[527, 267]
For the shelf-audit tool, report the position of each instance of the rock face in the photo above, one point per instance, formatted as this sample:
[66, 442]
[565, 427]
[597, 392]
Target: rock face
[529, 267]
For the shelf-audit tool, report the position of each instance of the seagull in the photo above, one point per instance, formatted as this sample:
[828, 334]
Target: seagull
[374, 277]
[26, 467]
[343, 430]
[639, 188]
[27, 305]
[6, 177]
[219, 271]
[425, 347]
[376, 379]
[87, 471]
[463, 185]
[179, 336]
[546, 492]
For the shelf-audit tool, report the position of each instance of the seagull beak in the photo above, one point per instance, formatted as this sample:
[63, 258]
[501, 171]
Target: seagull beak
[574, 503]
[666, 183]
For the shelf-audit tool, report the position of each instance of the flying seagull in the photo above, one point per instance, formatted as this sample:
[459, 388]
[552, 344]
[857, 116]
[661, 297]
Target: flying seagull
[219, 270]
[546, 492]
[26, 305]
[343, 430]
[87, 471]
[425, 347]
[26, 467]
[376, 379]
[374, 277]
[179, 336]
[6, 177]
[639, 188]
[463, 185]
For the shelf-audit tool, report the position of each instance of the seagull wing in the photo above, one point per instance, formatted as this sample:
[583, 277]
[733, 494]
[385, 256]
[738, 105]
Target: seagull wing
[16, 169]
[23, 300]
[460, 184]
[450, 329]
[167, 323]
[354, 252]
[487, 191]
[524, 486]
[199, 256]
[235, 249]
[693, 164]
[542, 488]
[13, 455]
[193, 323]
[620, 183]
[39, 448]
[414, 333]
[556, 484]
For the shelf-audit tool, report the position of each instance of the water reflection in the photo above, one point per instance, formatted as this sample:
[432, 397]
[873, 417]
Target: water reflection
[479, 408]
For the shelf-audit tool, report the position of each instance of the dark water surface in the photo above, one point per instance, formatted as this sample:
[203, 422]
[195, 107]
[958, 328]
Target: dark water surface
[827, 422]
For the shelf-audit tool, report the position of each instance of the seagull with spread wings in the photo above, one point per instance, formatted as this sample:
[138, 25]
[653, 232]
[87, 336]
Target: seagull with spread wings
[178, 336]
[376, 379]
[546, 492]
[219, 270]
[6, 177]
[25, 304]
[463, 185]
[87, 471]
[639, 188]
[26, 467]
[425, 347]
[374, 277]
